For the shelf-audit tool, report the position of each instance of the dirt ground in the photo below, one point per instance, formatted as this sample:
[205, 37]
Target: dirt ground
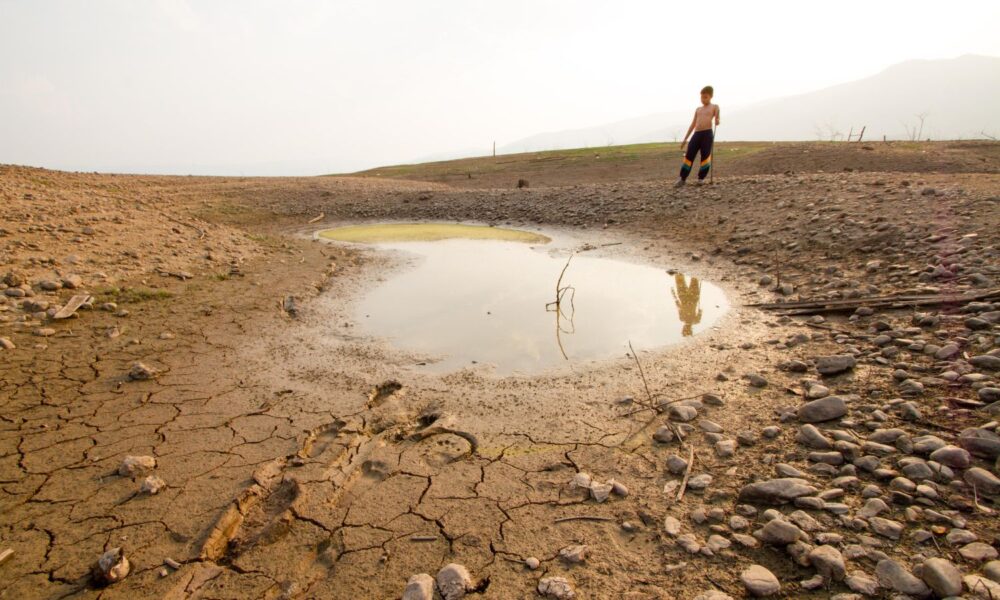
[302, 460]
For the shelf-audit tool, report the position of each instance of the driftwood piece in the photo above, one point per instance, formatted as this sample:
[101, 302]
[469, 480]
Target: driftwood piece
[687, 475]
[811, 307]
[317, 219]
[71, 307]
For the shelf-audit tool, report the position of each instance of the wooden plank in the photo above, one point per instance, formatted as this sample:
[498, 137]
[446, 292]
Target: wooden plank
[71, 307]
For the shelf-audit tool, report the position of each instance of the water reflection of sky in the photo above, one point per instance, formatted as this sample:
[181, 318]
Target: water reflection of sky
[485, 301]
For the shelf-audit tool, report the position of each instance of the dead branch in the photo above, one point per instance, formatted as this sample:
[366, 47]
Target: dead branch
[687, 474]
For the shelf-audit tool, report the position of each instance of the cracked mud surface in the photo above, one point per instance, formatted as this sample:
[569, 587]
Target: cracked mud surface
[303, 461]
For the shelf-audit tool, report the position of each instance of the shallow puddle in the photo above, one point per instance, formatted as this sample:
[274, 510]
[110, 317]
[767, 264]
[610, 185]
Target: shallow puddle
[461, 302]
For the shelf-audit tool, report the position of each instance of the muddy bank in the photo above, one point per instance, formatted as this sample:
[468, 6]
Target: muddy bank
[299, 465]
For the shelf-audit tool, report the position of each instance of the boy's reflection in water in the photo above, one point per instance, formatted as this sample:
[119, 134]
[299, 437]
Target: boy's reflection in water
[687, 296]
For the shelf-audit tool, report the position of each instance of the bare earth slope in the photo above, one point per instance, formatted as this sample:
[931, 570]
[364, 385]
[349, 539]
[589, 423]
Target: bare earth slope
[303, 461]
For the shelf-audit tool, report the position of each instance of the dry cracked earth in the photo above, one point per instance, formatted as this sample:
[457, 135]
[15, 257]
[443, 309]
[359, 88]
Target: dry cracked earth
[209, 423]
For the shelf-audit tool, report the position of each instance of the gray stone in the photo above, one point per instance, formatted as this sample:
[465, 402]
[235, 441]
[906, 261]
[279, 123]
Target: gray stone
[927, 444]
[676, 464]
[981, 588]
[952, 456]
[986, 361]
[981, 442]
[812, 437]
[829, 563]
[838, 363]
[759, 581]
[941, 576]
[779, 532]
[133, 465]
[152, 485]
[824, 409]
[558, 588]
[140, 372]
[453, 581]
[984, 481]
[895, 576]
[861, 582]
[978, 552]
[776, 491]
[681, 412]
[419, 587]
[992, 570]
[886, 527]
[574, 554]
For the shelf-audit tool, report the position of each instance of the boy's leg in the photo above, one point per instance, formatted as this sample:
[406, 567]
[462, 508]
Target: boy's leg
[706, 155]
[692, 149]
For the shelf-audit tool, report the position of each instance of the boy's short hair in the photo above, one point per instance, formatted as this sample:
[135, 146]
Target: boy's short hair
[708, 90]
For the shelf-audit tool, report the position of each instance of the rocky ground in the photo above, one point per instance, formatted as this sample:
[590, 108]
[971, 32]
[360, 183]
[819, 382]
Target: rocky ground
[208, 424]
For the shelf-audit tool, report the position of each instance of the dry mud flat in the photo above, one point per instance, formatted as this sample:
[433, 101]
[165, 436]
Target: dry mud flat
[796, 456]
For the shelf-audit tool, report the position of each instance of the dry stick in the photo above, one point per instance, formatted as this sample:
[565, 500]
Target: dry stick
[687, 474]
[656, 407]
[584, 518]
[317, 219]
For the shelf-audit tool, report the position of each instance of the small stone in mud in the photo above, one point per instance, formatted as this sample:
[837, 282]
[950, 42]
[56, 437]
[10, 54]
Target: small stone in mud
[419, 587]
[152, 485]
[132, 465]
[111, 567]
[556, 587]
[600, 491]
[140, 372]
[532, 563]
[453, 581]
[6, 344]
[837, 363]
[574, 554]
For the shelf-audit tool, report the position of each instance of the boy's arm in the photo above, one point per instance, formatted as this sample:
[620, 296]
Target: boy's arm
[716, 115]
[690, 129]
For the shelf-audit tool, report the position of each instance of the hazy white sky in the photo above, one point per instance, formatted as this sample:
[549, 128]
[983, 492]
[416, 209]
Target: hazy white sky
[307, 87]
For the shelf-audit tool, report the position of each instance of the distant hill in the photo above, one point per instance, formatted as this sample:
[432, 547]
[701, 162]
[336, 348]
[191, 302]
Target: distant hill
[957, 98]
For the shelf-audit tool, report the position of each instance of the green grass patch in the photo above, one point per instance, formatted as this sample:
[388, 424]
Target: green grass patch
[134, 295]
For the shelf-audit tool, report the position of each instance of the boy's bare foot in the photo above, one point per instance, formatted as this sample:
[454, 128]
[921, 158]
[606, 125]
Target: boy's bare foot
[679, 182]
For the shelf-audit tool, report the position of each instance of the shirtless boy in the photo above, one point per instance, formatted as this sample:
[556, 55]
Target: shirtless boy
[703, 137]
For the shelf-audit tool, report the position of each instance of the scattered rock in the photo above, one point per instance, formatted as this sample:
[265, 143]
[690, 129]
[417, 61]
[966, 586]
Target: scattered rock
[984, 481]
[829, 563]
[824, 409]
[941, 576]
[574, 554]
[759, 581]
[133, 465]
[532, 563]
[152, 485]
[111, 567]
[140, 372]
[838, 363]
[776, 491]
[978, 552]
[556, 587]
[453, 581]
[895, 576]
[419, 587]
[981, 587]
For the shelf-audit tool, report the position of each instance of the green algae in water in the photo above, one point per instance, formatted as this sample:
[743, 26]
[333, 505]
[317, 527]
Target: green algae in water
[428, 232]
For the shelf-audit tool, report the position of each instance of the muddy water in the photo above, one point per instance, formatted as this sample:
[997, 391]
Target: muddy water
[465, 302]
